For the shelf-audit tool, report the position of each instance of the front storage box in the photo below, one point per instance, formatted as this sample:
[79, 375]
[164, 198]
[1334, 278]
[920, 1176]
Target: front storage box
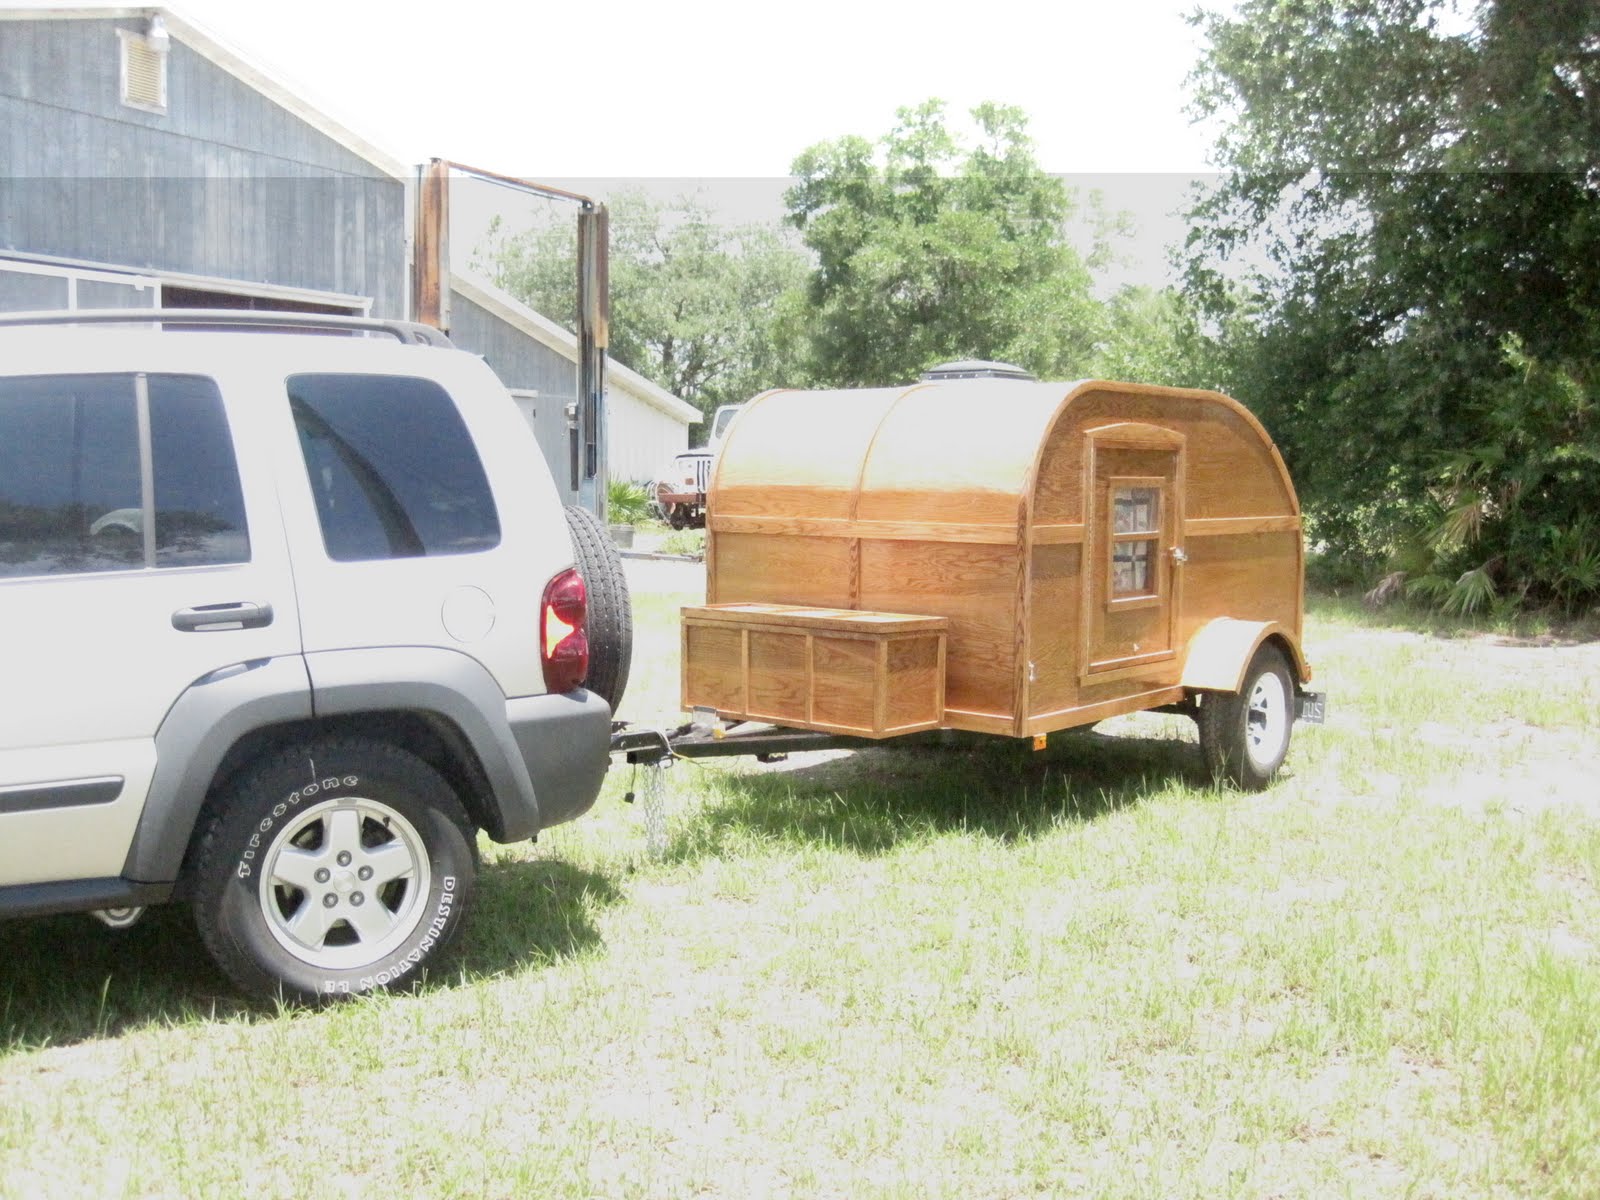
[868, 674]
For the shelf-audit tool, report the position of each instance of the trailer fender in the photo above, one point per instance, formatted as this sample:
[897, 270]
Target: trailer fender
[1221, 650]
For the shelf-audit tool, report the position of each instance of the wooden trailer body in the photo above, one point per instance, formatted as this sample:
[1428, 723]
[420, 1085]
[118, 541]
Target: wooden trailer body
[1093, 548]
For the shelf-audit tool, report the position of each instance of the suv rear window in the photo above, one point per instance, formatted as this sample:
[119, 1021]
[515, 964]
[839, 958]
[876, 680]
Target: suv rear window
[72, 485]
[392, 468]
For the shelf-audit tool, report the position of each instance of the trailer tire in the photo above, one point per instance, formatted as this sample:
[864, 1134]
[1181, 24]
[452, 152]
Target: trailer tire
[610, 623]
[1244, 735]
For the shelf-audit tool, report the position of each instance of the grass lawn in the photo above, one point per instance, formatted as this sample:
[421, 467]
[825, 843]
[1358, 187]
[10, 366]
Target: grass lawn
[963, 974]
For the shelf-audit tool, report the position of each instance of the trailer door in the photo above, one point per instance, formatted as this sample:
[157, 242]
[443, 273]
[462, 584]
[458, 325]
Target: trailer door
[1132, 549]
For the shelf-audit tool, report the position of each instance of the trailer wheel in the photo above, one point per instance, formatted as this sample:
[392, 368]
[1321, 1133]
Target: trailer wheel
[1244, 735]
[610, 624]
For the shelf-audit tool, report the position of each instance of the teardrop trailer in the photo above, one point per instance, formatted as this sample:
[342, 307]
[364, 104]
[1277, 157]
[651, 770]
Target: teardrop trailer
[987, 553]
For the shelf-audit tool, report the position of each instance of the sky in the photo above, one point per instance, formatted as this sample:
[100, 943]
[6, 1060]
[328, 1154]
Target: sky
[719, 97]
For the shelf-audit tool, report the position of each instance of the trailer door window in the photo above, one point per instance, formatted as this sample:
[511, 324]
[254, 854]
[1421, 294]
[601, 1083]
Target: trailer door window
[1135, 537]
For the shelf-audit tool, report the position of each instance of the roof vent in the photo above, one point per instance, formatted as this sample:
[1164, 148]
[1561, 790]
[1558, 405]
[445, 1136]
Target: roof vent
[977, 368]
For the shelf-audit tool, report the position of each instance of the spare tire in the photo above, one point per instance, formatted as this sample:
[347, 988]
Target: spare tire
[610, 624]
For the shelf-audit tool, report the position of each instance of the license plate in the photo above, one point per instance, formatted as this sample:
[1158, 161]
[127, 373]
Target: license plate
[1311, 707]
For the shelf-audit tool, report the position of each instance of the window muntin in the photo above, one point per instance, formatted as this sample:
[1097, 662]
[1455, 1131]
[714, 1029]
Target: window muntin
[1136, 516]
[72, 484]
[392, 468]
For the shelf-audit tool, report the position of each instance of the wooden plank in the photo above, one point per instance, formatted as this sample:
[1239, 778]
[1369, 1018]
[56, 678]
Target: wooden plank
[1088, 714]
[846, 691]
[914, 669]
[972, 721]
[813, 571]
[714, 669]
[1021, 605]
[792, 617]
[1221, 526]
[1064, 534]
[778, 673]
[1054, 616]
[985, 533]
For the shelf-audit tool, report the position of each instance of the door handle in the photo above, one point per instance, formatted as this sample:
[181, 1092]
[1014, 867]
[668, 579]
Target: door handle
[215, 618]
[1178, 556]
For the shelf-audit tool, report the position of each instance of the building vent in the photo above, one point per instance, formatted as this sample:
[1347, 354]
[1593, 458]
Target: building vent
[144, 69]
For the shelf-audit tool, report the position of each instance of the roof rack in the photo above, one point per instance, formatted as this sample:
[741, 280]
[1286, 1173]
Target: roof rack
[408, 332]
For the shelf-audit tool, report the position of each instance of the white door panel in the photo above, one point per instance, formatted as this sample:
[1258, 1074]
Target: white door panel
[71, 836]
[94, 658]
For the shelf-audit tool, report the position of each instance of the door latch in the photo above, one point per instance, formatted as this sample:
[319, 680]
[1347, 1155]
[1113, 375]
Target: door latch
[1179, 557]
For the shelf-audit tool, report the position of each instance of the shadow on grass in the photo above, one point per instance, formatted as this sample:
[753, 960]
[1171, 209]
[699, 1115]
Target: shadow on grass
[870, 801]
[68, 979]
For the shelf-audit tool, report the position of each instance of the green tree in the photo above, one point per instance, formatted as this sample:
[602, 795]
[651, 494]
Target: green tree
[695, 305]
[928, 249]
[1418, 185]
[1155, 336]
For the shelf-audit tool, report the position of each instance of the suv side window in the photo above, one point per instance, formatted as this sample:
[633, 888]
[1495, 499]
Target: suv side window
[72, 486]
[199, 507]
[392, 468]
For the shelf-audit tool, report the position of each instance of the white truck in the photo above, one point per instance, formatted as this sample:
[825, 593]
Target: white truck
[679, 491]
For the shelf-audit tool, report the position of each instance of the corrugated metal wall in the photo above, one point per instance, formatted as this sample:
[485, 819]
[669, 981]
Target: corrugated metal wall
[524, 364]
[226, 183]
[641, 439]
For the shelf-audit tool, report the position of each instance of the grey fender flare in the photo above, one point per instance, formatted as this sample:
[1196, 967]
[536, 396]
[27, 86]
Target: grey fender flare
[444, 683]
[211, 715]
[215, 712]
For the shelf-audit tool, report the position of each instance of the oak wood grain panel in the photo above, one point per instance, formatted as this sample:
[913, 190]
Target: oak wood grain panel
[914, 691]
[847, 683]
[953, 505]
[782, 570]
[712, 669]
[778, 676]
[973, 586]
[1234, 469]
[1253, 577]
[1053, 627]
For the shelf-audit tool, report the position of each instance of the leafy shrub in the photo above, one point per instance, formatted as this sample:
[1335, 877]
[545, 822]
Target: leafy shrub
[627, 503]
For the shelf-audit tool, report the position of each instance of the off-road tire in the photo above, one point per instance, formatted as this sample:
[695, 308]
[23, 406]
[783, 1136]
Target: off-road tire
[610, 624]
[292, 814]
[1244, 735]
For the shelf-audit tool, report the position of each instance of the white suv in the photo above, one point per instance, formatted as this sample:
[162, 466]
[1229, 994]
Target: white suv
[287, 618]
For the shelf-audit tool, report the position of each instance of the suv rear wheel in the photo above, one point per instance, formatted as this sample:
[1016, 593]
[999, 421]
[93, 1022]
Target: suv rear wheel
[334, 868]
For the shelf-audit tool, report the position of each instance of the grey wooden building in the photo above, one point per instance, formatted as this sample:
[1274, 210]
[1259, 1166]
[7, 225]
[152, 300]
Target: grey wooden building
[144, 163]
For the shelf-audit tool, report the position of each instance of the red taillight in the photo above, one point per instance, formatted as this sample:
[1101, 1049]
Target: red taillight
[563, 645]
